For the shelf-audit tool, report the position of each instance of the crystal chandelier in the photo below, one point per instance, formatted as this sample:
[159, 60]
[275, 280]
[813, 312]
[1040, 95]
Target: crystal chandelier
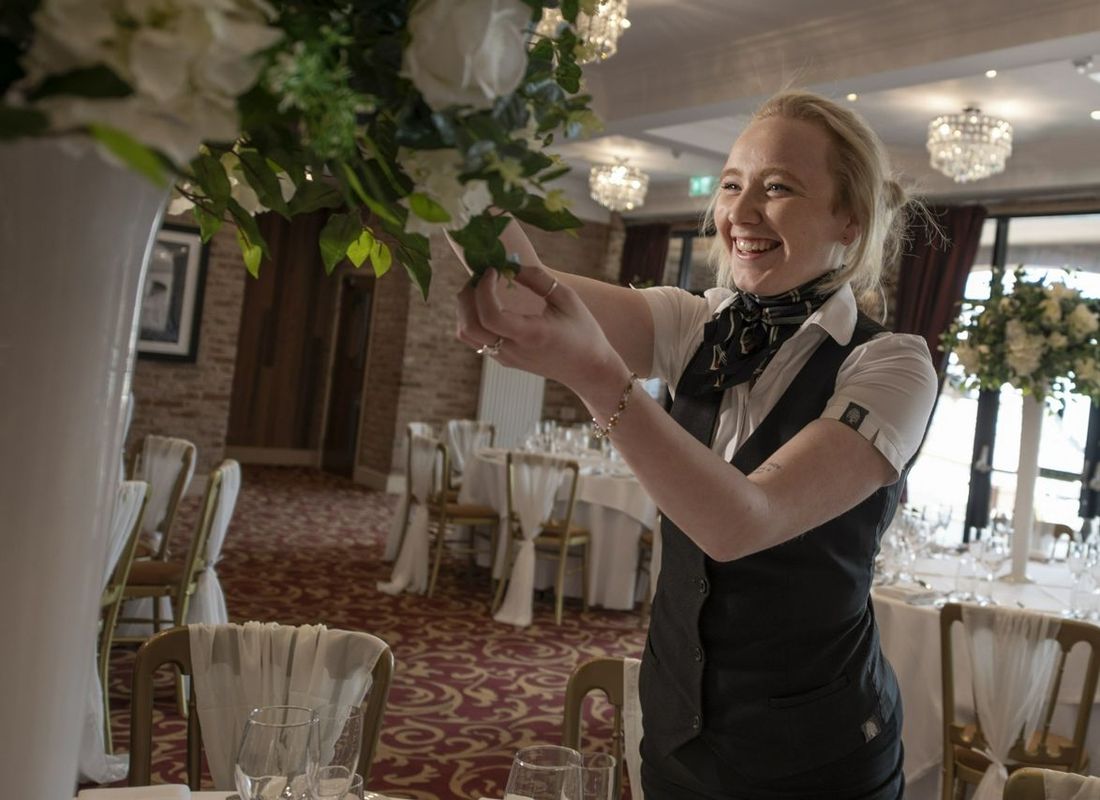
[600, 32]
[969, 146]
[618, 186]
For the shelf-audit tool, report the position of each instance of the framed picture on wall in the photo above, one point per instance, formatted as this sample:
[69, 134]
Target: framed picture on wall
[171, 302]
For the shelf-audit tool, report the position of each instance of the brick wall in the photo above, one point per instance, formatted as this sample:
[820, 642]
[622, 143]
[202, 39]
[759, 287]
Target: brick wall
[191, 401]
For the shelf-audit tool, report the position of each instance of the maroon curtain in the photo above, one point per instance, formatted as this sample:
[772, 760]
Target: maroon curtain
[644, 254]
[933, 272]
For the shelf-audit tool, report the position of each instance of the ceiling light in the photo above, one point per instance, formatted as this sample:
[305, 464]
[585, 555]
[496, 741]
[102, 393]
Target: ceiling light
[852, 97]
[1095, 114]
[991, 73]
[969, 146]
[599, 33]
[618, 186]
[1083, 65]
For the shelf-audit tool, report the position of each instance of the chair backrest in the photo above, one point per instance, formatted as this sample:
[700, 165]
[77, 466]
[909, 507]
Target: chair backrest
[195, 560]
[129, 506]
[1032, 783]
[534, 480]
[167, 464]
[427, 468]
[174, 647]
[604, 675]
[465, 437]
[229, 480]
[1071, 757]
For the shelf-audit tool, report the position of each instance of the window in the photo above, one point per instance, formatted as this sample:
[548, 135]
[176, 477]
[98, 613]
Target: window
[1057, 248]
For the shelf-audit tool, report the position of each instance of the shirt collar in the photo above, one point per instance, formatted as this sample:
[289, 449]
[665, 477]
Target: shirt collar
[837, 316]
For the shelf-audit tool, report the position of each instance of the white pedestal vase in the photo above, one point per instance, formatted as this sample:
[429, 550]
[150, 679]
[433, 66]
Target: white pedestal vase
[1027, 472]
[75, 235]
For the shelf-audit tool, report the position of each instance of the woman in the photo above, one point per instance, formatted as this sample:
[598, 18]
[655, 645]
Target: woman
[776, 472]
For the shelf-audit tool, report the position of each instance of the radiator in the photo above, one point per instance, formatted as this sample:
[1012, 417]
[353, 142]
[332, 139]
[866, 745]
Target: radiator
[511, 399]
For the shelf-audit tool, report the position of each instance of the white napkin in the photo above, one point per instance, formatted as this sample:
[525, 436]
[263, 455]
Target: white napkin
[168, 791]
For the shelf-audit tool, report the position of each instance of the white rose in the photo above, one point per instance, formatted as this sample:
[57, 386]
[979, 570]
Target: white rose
[1081, 321]
[435, 173]
[466, 52]
[1086, 370]
[1056, 340]
[1023, 353]
[1059, 291]
[1052, 311]
[968, 358]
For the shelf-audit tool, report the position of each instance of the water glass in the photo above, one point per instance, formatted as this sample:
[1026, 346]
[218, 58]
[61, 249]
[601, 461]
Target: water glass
[598, 776]
[277, 748]
[545, 772]
[340, 737]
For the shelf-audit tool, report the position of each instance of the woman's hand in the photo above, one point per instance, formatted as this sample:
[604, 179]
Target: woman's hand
[562, 342]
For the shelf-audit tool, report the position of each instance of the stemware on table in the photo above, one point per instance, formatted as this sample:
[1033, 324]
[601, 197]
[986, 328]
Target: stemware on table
[545, 772]
[276, 753]
[340, 738]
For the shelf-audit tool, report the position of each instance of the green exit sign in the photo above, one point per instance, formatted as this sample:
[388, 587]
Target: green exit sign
[701, 185]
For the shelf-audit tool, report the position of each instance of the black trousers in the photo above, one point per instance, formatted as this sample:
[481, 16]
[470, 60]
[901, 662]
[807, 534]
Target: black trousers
[873, 772]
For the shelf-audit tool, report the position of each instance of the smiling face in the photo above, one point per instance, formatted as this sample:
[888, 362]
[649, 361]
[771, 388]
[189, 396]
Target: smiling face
[776, 210]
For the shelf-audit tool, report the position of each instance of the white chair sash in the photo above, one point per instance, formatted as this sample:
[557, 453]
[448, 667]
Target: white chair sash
[95, 763]
[208, 604]
[161, 461]
[241, 667]
[1069, 786]
[397, 524]
[465, 437]
[632, 726]
[535, 483]
[1013, 655]
[410, 571]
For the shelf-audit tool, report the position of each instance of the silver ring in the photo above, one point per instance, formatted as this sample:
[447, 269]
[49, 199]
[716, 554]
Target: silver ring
[491, 349]
[550, 291]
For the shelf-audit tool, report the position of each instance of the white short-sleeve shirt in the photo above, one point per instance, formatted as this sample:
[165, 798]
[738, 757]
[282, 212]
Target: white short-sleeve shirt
[890, 377]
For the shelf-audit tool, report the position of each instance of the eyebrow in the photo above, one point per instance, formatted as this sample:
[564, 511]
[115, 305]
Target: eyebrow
[776, 171]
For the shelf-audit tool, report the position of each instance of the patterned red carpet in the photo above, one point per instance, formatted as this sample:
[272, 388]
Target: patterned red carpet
[305, 547]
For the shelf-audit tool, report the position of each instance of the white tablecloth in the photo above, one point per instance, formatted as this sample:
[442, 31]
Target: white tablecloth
[911, 641]
[612, 505]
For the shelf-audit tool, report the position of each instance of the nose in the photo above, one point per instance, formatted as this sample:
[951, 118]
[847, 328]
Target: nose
[743, 208]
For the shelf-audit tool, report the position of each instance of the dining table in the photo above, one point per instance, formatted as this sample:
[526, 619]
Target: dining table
[610, 503]
[908, 618]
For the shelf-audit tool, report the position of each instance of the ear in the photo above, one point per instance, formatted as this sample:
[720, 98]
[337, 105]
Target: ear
[850, 232]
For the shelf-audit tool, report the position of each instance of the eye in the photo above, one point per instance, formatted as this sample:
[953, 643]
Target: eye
[779, 188]
[730, 186]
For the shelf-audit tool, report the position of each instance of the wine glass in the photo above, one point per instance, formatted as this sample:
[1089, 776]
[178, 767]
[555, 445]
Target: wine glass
[340, 737]
[545, 772]
[598, 776]
[275, 754]
[993, 553]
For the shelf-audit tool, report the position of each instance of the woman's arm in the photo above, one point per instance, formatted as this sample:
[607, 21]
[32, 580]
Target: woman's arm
[822, 472]
[621, 312]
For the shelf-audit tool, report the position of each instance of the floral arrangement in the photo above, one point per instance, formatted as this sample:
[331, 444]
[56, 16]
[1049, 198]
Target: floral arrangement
[1040, 338]
[397, 115]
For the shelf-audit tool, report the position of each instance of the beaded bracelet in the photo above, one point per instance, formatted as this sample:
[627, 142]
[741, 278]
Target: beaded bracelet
[603, 431]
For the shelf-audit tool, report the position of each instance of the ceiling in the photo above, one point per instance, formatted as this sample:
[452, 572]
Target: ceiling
[689, 72]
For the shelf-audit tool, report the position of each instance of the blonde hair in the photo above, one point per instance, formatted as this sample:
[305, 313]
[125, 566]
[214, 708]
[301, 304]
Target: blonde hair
[866, 189]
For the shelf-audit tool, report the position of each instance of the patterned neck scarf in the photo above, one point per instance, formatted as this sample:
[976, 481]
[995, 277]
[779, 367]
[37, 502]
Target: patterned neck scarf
[745, 335]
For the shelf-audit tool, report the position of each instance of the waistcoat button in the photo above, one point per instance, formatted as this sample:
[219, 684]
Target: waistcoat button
[703, 586]
[696, 721]
[698, 654]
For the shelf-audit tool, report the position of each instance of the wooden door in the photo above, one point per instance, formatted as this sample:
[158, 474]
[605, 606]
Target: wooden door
[348, 369]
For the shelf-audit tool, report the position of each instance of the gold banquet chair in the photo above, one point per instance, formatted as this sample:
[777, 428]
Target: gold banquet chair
[964, 762]
[176, 580]
[558, 538]
[598, 675]
[129, 507]
[1030, 783]
[167, 464]
[174, 647]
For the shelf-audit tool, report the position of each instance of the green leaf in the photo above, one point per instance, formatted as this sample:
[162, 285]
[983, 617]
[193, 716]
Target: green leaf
[569, 77]
[247, 227]
[17, 122]
[211, 179]
[381, 258]
[569, 9]
[427, 209]
[314, 195]
[252, 254]
[262, 178]
[132, 153]
[360, 250]
[356, 185]
[98, 81]
[536, 213]
[480, 241]
[337, 236]
[209, 224]
[419, 269]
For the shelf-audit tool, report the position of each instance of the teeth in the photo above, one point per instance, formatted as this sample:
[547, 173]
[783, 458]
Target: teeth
[755, 245]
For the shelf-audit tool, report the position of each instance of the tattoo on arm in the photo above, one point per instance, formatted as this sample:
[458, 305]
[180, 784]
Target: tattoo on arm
[766, 467]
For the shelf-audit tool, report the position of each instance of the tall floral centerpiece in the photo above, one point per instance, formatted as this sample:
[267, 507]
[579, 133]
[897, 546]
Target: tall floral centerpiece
[398, 116]
[1042, 339]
